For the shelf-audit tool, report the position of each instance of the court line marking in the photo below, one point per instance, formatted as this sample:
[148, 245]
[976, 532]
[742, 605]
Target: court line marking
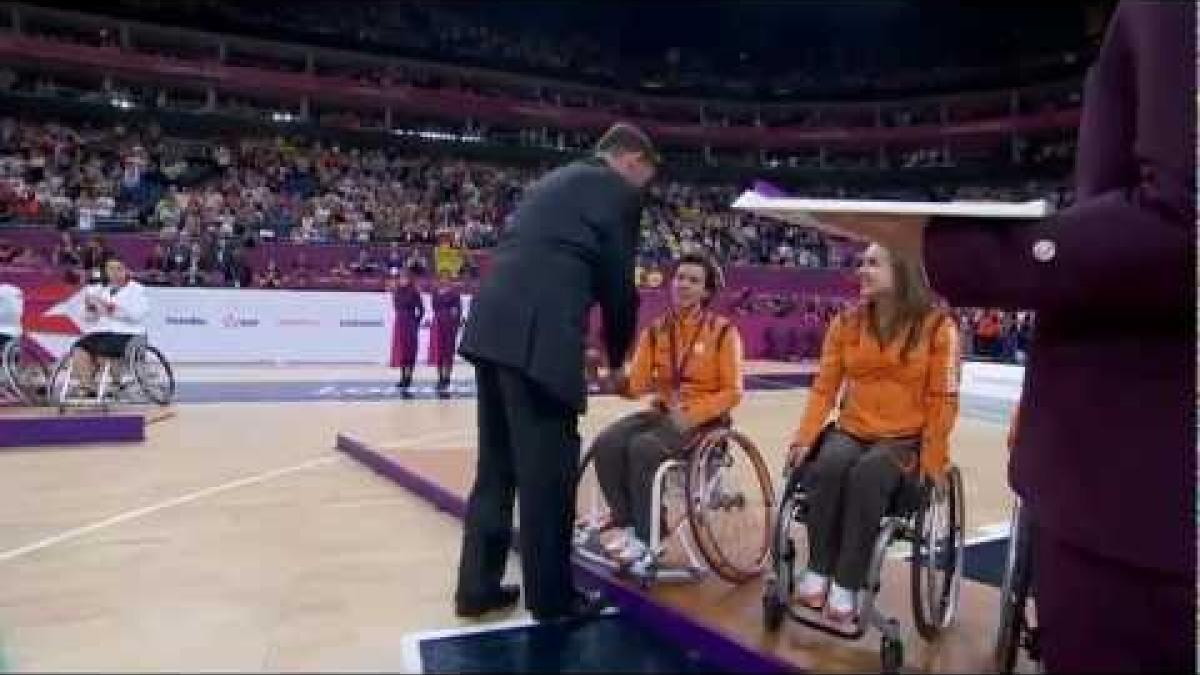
[134, 514]
[410, 643]
[984, 534]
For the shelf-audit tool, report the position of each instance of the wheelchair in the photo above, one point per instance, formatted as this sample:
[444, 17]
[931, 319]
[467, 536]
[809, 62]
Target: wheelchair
[928, 517]
[141, 374]
[1015, 631]
[713, 503]
[25, 372]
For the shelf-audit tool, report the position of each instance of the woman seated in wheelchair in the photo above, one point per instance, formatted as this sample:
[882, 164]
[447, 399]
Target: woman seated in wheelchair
[689, 360]
[114, 313]
[896, 355]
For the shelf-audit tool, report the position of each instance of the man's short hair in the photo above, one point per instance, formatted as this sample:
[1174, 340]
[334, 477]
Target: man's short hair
[622, 137]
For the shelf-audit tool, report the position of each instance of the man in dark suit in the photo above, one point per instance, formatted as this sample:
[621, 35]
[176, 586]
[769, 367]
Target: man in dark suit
[571, 244]
[1105, 456]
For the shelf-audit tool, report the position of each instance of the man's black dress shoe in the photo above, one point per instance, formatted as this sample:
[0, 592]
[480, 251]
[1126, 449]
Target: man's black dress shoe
[581, 606]
[503, 598]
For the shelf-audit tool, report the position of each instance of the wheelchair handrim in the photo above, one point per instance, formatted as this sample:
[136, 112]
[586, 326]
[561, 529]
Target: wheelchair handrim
[138, 359]
[701, 525]
[20, 362]
[937, 569]
[785, 570]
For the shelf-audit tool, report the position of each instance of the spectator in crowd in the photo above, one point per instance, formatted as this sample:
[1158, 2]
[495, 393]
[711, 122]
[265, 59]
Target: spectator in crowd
[271, 276]
[67, 253]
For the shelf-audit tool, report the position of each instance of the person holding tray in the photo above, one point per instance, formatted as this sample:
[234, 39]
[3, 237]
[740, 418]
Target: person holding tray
[1106, 462]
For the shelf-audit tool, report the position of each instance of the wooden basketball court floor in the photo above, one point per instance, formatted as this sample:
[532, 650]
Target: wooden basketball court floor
[236, 538]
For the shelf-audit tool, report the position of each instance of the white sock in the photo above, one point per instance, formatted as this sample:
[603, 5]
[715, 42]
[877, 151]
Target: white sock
[842, 599]
[813, 583]
[621, 541]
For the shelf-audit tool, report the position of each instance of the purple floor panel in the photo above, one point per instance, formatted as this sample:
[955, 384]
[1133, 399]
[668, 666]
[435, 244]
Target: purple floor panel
[35, 430]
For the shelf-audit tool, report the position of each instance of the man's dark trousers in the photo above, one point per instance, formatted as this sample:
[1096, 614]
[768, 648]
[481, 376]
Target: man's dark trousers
[528, 448]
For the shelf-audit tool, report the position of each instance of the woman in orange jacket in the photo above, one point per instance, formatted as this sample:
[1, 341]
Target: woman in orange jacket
[690, 359]
[893, 363]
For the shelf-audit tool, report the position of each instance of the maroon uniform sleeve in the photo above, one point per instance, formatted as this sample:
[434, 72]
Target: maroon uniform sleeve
[1128, 241]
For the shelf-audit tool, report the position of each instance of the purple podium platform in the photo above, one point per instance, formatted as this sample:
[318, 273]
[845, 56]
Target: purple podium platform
[22, 427]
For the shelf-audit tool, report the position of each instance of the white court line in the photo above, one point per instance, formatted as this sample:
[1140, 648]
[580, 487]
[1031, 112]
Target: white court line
[983, 535]
[989, 533]
[410, 643]
[127, 516]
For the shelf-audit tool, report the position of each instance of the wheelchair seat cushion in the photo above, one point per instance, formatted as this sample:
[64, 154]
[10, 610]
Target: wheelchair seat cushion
[108, 345]
[907, 498]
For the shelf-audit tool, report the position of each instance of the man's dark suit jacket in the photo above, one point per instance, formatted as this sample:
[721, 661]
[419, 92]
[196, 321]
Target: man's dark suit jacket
[571, 244]
[1106, 455]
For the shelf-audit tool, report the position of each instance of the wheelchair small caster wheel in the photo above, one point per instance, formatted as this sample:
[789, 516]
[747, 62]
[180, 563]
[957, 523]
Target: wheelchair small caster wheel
[645, 571]
[891, 655]
[772, 607]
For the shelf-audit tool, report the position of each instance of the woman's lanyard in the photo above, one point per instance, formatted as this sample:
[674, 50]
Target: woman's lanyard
[679, 361]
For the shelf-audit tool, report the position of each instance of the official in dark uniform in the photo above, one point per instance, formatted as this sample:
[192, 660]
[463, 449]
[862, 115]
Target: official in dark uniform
[571, 244]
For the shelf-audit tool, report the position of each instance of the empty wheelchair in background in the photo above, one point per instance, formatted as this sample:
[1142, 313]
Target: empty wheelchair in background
[1016, 629]
[927, 516]
[25, 371]
[140, 374]
[713, 504]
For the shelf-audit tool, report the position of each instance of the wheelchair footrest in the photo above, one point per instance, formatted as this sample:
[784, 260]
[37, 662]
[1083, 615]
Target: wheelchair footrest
[813, 618]
[591, 552]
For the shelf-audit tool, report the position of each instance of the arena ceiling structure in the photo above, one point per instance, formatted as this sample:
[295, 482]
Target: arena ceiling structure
[857, 49]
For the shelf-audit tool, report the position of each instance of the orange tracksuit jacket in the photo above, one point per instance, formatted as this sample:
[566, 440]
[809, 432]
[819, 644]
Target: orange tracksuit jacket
[885, 396]
[711, 383]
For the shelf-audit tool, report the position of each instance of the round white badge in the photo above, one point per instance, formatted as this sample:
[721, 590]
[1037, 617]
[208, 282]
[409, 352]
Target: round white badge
[1044, 250]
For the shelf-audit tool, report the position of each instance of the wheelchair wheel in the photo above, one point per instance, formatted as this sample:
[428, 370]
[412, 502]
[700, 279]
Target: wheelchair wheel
[773, 606]
[730, 504]
[788, 542]
[59, 388]
[937, 556]
[153, 374]
[27, 372]
[891, 655]
[1013, 628]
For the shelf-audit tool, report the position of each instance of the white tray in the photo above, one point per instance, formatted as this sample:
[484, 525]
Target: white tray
[801, 211]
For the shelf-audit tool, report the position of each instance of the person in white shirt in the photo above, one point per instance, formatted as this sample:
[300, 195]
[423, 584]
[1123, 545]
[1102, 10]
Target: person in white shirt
[12, 306]
[113, 315]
